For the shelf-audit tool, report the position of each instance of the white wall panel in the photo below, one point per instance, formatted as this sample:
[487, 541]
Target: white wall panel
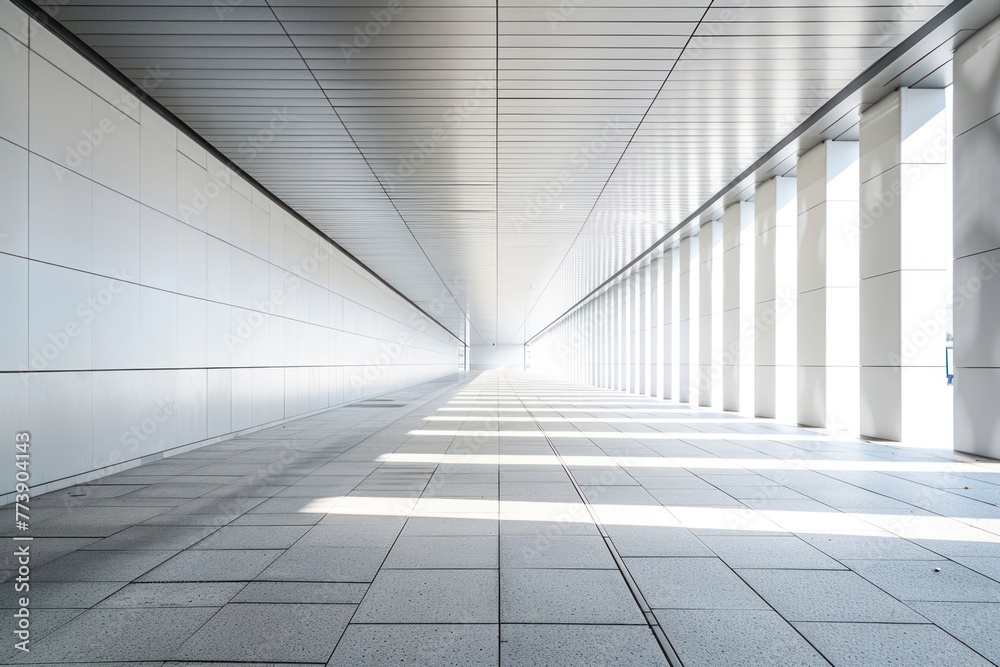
[192, 332]
[158, 249]
[14, 101]
[61, 112]
[192, 201]
[14, 194]
[191, 261]
[117, 336]
[116, 151]
[158, 170]
[60, 415]
[14, 331]
[116, 234]
[158, 328]
[59, 215]
[138, 293]
[59, 321]
[219, 400]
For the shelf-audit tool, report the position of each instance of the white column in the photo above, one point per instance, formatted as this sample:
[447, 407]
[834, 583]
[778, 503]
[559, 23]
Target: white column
[637, 330]
[623, 346]
[738, 307]
[595, 341]
[674, 308]
[655, 387]
[668, 339]
[776, 294]
[614, 323]
[828, 307]
[905, 206]
[605, 344]
[687, 331]
[710, 311]
[629, 369]
[642, 330]
[977, 242]
[633, 339]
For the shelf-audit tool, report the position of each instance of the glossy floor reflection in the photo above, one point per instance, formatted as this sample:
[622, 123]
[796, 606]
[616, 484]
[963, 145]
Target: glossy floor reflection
[446, 526]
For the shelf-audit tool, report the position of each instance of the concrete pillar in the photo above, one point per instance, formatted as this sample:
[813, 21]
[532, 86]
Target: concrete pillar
[611, 329]
[641, 321]
[672, 310]
[977, 242]
[828, 306]
[776, 295]
[710, 315]
[623, 329]
[605, 339]
[629, 328]
[655, 388]
[592, 348]
[738, 307]
[688, 313]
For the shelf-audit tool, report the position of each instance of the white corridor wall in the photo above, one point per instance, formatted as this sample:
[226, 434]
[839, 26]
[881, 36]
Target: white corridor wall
[153, 300]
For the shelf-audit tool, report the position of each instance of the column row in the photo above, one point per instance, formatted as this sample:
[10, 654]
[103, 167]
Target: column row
[827, 299]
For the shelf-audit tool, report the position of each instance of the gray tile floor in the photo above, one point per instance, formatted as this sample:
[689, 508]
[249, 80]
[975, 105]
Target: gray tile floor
[497, 518]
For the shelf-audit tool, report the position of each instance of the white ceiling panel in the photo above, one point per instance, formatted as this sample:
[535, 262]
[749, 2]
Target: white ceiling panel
[494, 162]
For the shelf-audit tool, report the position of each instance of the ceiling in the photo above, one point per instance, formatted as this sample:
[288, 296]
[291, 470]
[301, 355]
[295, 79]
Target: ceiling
[493, 163]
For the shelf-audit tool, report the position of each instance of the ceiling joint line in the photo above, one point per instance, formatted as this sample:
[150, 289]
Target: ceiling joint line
[496, 166]
[368, 164]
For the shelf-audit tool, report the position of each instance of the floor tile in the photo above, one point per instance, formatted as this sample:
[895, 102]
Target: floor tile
[769, 551]
[213, 565]
[566, 596]
[153, 538]
[974, 623]
[297, 519]
[827, 595]
[989, 567]
[443, 552]
[656, 541]
[350, 535]
[735, 638]
[101, 566]
[343, 564]
[918, 580]
[573, 521]
[45, 550]
[869, 644]
[873, 546]
[102, 635]
[296, 592]
[43, 623]
[419, 525]
[423, 644]
[555, 551]
[269, 633]
[173, 595]
[252, 537]
[61, 594]
[431, 596]
[691, 583]
[573, 645]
